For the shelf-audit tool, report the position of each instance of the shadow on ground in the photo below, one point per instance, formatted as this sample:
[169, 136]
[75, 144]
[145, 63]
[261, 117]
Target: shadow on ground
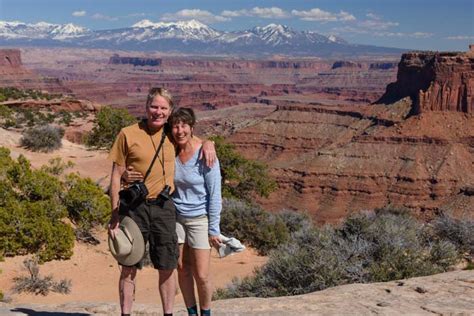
[28, 311]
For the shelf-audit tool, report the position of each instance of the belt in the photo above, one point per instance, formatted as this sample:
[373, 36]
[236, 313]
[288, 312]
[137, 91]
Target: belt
[157, 200]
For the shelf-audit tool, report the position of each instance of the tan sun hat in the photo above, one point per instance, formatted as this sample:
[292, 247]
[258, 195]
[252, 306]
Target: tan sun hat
[128, 247]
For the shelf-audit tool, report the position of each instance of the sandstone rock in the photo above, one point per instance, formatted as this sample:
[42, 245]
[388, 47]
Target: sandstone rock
[435, 81]
[449, 293]
[10, 58]
[335, 160]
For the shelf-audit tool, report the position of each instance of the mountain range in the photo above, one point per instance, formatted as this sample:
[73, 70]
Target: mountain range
[186, 37]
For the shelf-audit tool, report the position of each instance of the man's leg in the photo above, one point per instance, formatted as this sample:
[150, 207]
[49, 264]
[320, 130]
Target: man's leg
[185, 275]
[167, 286]
[127, 288]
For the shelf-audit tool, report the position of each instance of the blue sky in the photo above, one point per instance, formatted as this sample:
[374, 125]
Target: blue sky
[412, 24]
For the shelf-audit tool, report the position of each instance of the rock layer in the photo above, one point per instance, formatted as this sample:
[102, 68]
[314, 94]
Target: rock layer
[435, 81]
[335, 160]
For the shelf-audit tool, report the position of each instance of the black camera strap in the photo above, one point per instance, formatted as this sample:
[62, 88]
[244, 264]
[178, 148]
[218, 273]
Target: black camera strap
[163, 135]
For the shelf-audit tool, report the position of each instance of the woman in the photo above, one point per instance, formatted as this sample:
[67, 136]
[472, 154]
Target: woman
[198, 202]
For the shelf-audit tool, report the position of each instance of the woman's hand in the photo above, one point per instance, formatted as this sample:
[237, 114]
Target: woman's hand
[208, 152]
[215, 241]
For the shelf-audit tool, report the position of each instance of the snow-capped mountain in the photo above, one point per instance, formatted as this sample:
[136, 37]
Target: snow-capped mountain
[184, 36]
[41, 30]
[186, 30]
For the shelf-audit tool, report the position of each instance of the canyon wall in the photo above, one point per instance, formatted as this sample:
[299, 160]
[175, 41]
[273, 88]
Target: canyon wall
[335, 159]
[435, 81]
[14, 74]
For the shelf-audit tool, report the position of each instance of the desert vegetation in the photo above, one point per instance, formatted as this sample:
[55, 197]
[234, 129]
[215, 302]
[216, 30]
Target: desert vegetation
[12, 93]
[14, 117]
[107, 125]
[373, 246]
[44, 138]
[20, 118]
[241, 177]
[38, 285]
[37, 207]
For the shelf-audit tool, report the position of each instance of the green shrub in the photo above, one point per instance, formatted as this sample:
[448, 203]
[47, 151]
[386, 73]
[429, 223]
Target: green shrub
[5, 112]
[56, 166]
[367, 247]
[108, 124]
[11, 93]
[34, 283]
[31, 214]
[27, 227]
[43, 138]
[86, 202]
[242, 177]
[252, 225]
[457, 230]
[65, 117]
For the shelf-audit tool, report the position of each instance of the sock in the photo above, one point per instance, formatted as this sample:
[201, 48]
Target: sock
[125, 314]
[168, 314]
[193, 310]
[206, 312]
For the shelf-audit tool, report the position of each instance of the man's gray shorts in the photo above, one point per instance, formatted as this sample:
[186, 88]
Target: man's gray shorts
[157, 221]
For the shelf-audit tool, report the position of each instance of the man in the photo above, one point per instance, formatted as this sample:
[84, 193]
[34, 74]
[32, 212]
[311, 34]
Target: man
[134, 149]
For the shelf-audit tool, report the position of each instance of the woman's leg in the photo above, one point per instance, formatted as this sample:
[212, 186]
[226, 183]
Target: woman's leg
[201, 263]
[185, 275]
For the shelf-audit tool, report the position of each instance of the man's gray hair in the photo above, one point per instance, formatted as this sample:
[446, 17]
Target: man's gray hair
[161, 92]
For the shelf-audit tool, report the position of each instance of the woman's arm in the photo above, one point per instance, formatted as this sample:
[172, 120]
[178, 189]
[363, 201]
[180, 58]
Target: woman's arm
[212, 177]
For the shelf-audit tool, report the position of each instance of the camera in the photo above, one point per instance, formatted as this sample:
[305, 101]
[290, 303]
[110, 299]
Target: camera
[132, 196]
[165, 193]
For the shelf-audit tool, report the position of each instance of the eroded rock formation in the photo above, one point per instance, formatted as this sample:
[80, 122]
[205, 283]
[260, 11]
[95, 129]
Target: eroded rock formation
[14, 74]
[135, 61]
[10, 58]
[435, 81]
[332, 160]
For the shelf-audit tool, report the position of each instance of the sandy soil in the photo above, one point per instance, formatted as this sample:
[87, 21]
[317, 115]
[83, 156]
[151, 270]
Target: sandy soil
[93, 271]
[94, 274]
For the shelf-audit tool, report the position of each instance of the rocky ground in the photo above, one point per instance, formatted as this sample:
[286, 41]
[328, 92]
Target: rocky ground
[449, 293]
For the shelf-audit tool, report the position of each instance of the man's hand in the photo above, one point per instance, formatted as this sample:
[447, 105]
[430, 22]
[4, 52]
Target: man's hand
[113, 225]
[208, 152]
[130, 175]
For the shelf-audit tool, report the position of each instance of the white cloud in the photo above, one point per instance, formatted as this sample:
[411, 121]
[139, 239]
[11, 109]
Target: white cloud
[460, 38]
[373, 16]
[377, 24]
[99, 16]
[269, 13]
[319, 15]
[136, 15]
[194, 14]
[234, 14]
[349, 29]
[401, 34]
[79, 13]
[266, 13]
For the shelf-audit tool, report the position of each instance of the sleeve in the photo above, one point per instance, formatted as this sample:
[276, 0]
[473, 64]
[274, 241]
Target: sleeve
[212, 177]
[118, 153]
